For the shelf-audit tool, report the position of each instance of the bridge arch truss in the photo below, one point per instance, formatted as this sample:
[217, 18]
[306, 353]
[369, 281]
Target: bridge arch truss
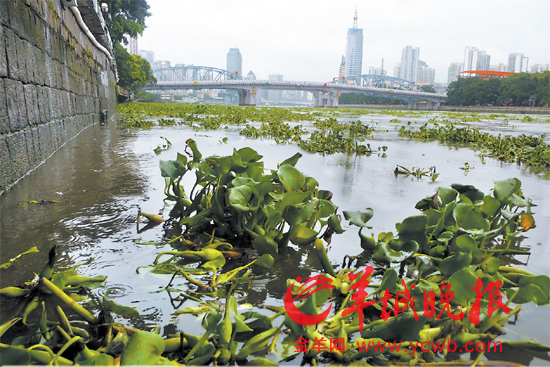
[191, 73]
[380, 81]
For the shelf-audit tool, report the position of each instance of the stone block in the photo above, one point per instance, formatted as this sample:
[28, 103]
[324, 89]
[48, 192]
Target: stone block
[4, 13]
[17, 108]
[31, 66]
[6, 173]
[46, 148]
[37, 147]
[11, 53]
[3, 59]
[31, 152]
[4, 119]
[17, 147]
[43, 105]
[19, 18]
[31, 101]
[22, 57]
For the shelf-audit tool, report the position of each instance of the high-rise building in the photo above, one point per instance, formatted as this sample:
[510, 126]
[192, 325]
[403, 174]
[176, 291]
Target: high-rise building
[499, 67]
[397, 70]
[235, 63]
[132, 46]
[409, 63]
[454, 69]
[518, 63]
[148, 55]
[538, 68]
[377, 71]
[342, 70]
[275, 95]
[251, 75]
[354, 50]
[475, 59]
[425, 74]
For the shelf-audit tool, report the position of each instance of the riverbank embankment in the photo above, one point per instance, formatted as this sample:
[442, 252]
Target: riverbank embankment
[54, 82]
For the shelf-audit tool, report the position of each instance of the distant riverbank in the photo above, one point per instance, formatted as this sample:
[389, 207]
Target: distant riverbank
[508, 109]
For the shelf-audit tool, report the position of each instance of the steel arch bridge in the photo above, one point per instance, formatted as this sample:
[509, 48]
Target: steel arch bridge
[379, 81]
[186, 73]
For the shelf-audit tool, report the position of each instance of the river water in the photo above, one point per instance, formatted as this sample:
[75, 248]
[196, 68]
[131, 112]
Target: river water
[103, 176]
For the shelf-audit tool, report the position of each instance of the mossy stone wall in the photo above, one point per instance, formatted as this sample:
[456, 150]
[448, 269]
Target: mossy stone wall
[53, 84]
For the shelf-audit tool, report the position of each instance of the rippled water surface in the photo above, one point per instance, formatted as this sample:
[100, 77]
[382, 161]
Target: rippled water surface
[105, 174]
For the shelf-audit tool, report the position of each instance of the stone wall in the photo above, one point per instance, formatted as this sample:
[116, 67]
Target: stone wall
[53, 84]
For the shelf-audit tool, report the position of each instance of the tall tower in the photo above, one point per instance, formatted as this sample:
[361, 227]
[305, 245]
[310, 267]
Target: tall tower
[354, 50]
[235, 63]
[409, 63]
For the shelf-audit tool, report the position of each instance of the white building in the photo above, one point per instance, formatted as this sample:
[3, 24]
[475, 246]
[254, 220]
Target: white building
[409, 63]
[235, 63]
[454, 69]
[475, 59]
[132, 46]
[397, 70]
[499, 67]
[518, 63]
[377, 71]
[342, 69]
[425, 73]
[539, 68]
[251, 75]
[354, 50]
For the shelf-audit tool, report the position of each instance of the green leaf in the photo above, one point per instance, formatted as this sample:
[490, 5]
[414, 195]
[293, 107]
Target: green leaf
[462, 283]
[124, 311]
[265, 245]
[249, 155]
[490, 265]
[454, 263]
[303, 235]
[358, 218]
[291, 178]
[469, 192]
[447, 195]
[241, 197]
[401, 327]
[467, 217]
[385, 254]
[257, 342]
[490, 206]
[144, 348]
[291, 161]
[367, 243]
[265, 261]
[504, 189]
[334, 224]
[464, 243]
[413, 229]
[172, 169]
[532, 289]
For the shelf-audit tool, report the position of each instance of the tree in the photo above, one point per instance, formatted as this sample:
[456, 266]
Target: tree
[428, 89]
[134, 71]
[126, 17]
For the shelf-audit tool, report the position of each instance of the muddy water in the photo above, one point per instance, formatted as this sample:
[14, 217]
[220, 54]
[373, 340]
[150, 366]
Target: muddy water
[105, 174]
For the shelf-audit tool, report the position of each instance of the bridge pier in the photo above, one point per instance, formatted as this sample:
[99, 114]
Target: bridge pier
[247, 97]
[423, 105]
[325, 99]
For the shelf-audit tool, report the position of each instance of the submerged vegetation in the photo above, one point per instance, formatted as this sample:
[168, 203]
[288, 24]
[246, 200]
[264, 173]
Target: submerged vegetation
[442, 277]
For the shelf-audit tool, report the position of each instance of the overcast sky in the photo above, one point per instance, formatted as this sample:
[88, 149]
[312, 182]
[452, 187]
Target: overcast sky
[304, 40]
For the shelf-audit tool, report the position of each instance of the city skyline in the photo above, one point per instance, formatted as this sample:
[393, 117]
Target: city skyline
[305, 40]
